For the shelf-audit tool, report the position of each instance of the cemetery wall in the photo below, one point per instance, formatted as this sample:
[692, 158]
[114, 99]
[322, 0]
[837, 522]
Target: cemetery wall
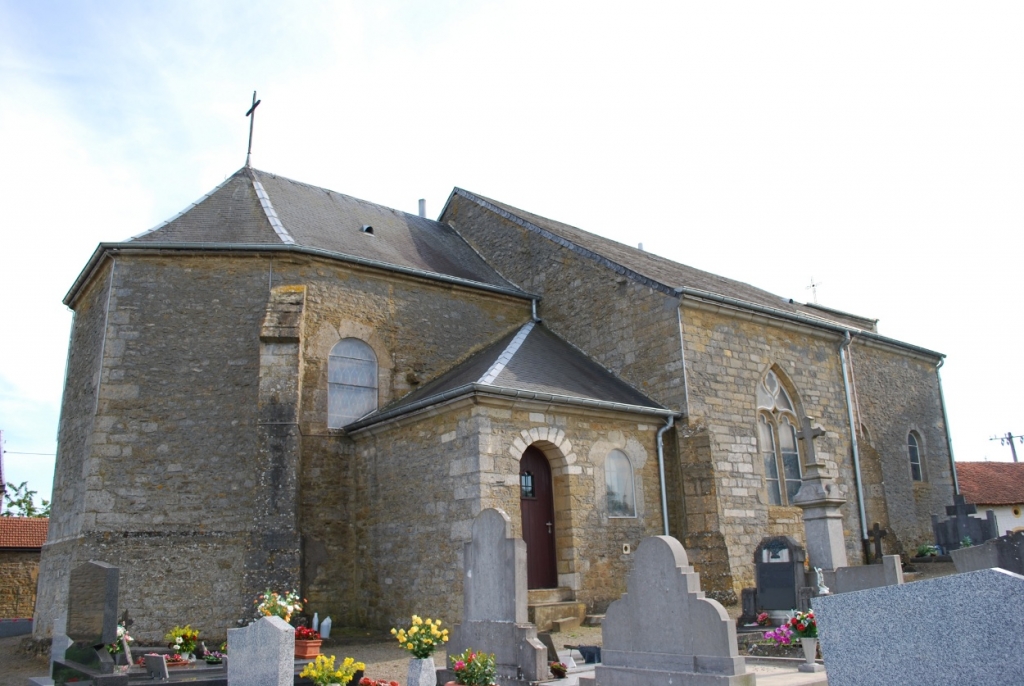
[428, 476]
[19, 572]
[727, 356]
[898, 394]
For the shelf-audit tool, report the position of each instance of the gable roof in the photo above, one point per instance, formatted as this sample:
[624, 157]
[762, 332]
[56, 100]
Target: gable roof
[23, 532]
[659, 272]
[530, 363]
[991, 483]
[256, 210]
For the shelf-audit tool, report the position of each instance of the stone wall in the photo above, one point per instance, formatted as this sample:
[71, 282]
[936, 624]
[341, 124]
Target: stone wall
[425, 478]
[19, 573]
[897, 394]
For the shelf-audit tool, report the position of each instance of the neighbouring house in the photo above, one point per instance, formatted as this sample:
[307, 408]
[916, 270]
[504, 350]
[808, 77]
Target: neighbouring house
[996, 486]
[21, 543]
[287, 387]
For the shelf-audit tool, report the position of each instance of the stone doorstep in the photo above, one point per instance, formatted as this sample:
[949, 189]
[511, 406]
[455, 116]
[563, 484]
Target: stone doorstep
[567, 624]
[544, 615]
[593, 620]
[545, 596]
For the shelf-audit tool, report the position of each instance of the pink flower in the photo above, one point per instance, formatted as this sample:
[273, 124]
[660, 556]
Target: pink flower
[459, 666]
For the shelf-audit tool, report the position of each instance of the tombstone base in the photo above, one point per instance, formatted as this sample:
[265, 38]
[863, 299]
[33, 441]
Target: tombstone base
[519, 654]
[811, 668]
[635, 676]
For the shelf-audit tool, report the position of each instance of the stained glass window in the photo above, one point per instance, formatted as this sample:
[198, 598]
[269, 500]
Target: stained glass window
[776, 430]
[351, 382]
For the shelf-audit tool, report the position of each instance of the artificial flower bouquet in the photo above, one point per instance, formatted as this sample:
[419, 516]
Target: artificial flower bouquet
[117, 647]
[304, 633]
[274, 604]
[182, 639]
[367, 681]
[422, 638]
[558, 669]
[803, 624]
[322, 672]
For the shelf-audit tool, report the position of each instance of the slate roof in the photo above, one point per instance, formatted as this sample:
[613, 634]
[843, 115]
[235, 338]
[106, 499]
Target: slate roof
[258, 208]
[991, 483]
[663, 271]
[531, 361]
[23, 532]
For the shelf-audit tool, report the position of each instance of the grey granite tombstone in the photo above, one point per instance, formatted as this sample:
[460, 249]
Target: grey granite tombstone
[1005, 552]
[494, 617]
[91, 626]
[959, 629]
[664, 631]
[779, 572]
[949, 533]
[888, 573]
[262, 654]
[156, 667]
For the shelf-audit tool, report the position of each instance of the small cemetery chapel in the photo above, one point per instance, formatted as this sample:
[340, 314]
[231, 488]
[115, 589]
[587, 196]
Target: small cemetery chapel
[287, 387]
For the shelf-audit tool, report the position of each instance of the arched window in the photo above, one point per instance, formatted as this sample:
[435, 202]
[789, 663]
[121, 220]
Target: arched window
[351, 382]
[914, 450]
[776, 426]
[618, 479]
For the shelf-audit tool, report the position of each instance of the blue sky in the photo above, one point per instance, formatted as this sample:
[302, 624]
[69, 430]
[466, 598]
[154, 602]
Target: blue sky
[876, 147]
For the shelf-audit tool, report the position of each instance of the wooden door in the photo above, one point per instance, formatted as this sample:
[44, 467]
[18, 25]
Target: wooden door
[538, 508]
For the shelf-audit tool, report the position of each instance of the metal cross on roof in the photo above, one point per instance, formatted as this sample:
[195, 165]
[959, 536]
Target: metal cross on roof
[813, 288]
[252, 118]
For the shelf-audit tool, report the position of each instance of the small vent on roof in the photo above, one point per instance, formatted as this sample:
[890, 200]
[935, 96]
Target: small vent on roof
[367, 229]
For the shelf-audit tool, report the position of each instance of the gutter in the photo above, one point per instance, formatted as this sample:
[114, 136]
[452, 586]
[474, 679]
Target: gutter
[103, 249]
[661, 473]
[473, 388]
[847, 340]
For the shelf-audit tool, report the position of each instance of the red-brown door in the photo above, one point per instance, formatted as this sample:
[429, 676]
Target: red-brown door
[538, 508]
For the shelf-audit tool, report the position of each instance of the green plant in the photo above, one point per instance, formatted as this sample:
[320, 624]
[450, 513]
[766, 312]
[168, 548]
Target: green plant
[474, 669]
[558, 669]
[422, 637]
[274, 604]
[20, 502]
[927, 549]
[321, 671]
[966, 542]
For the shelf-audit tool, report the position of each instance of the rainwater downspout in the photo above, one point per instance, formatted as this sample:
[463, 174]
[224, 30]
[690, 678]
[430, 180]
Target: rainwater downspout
[661, 472]
[853, 441]
[945, 421]
[533, 302]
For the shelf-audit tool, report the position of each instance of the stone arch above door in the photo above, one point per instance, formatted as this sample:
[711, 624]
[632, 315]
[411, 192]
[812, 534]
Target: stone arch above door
[553, 443]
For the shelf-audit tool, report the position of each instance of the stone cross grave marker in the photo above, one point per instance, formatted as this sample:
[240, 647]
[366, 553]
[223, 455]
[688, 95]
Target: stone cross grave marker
[958, 629]
[779, 572]
[91, 625]
[262, 654]
[875, 535]
[664, 631]
[950, 532]
[494, 614]
[807, 434]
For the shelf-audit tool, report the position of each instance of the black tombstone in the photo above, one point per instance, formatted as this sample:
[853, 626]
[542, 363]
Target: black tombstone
[779, 571]
[91, 626]
[950, 533]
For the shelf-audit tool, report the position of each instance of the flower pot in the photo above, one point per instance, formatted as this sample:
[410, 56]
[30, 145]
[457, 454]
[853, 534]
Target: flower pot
[307, 649]
[810, 646]
[422, 672]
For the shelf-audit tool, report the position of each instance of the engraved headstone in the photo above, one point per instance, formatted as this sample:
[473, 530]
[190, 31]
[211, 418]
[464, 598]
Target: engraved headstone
[91, 626]
[156, 667]
[494, 616]
[664, 631]
[950, 533]
[262, 654]
[779, 572]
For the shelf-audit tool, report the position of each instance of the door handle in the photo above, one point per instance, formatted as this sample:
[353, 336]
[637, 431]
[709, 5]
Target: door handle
[549, 527]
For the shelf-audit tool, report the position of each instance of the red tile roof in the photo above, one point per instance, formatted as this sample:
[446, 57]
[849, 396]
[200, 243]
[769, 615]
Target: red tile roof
[23, 532]
[991, 483]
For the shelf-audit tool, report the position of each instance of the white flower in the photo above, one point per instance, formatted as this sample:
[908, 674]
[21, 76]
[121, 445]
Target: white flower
[178, 640]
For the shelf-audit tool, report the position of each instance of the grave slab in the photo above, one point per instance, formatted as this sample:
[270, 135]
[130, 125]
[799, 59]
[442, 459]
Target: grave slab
[664, 631]
[959, 629]
[889, 573]
[1005, 552]
[262, 654]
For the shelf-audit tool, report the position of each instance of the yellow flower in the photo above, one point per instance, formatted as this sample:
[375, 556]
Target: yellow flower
[408, 646]
[394, 631]
[416, 620]
[412, 631]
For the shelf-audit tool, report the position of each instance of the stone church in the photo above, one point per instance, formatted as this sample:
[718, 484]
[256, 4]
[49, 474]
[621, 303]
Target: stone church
[287, 387]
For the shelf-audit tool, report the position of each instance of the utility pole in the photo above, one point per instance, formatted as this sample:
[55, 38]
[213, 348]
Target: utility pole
[1008, 440]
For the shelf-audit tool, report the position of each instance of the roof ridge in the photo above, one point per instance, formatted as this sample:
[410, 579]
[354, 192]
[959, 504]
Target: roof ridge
[268, 209]
[188, 208]
[507, 354]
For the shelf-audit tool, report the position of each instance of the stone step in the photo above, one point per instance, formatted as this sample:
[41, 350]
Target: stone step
[567, 624]
[593, 620]
[545, 615]
[540, 596]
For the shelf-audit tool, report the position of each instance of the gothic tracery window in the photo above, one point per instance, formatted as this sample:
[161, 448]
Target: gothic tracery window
[351, 382]
[776, 425]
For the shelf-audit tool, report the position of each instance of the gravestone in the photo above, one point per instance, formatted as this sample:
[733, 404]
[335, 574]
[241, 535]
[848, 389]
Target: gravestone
[949, 533]
[494, 603]
[959, 629]
[748, 598]
[91, 625]
[262, 654]
[1005, 552]
[875, 535]
[664, 631]
[779, 573]
[888, 573]
[156, 667]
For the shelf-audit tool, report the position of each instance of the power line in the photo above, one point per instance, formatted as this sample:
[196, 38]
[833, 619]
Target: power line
[1008, 440]
[15, 452]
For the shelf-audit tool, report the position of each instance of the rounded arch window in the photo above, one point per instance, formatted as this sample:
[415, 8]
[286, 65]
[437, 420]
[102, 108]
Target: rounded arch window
[351, 382]
[914, 452]
[618, 478]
